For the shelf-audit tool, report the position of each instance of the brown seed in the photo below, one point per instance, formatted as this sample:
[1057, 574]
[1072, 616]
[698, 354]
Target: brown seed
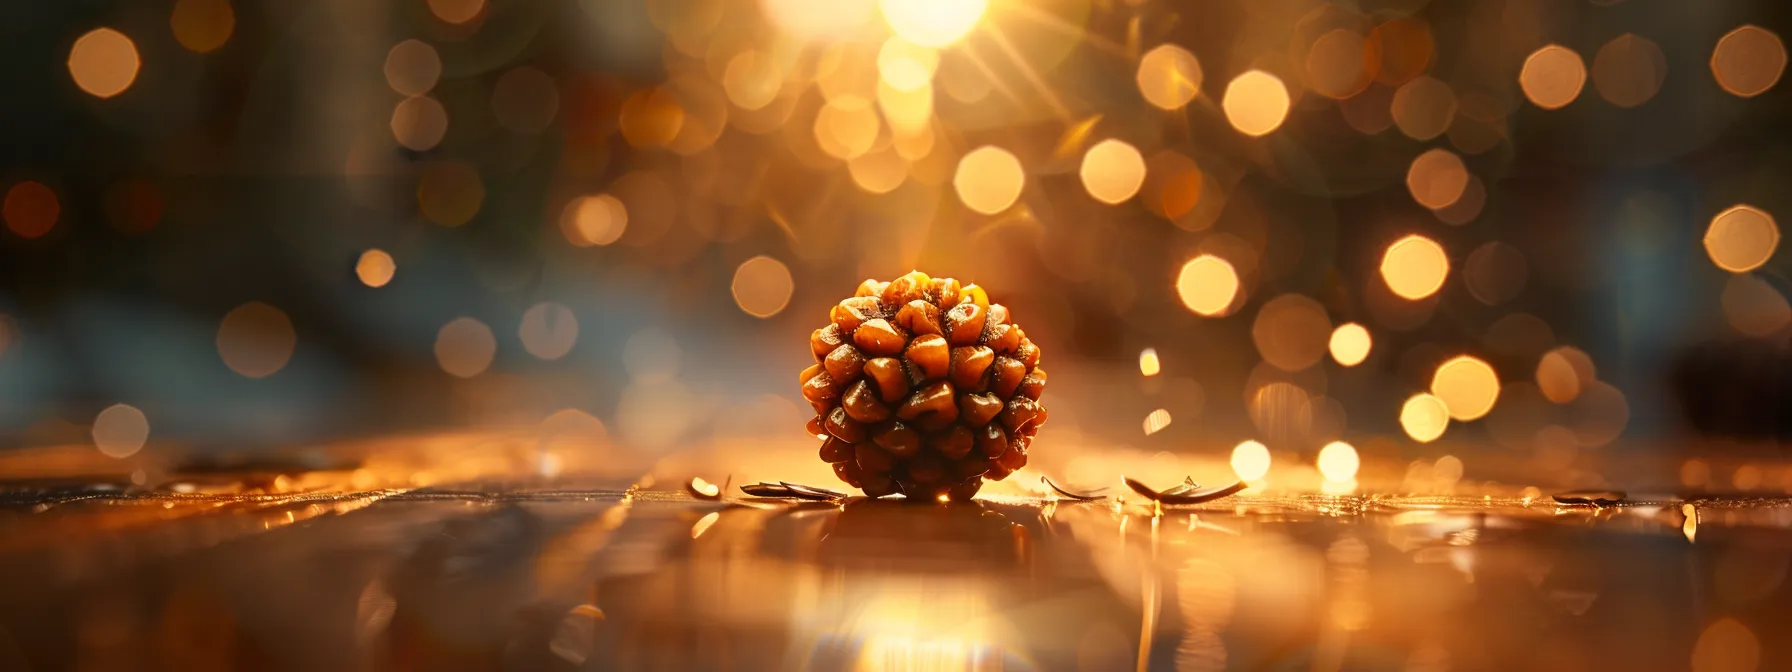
[1008, 374]
[844, 364]
[998, 314]
[926, 468]
[969, 363]
[992, 441]
[971, 467]
[930, 407]
[872, 459]
[870, 287]
[1027, 353]
[909, 287]
[819, 387]
[964, 323]
[973, 294]
[843, 427]
[919, 317]
[1019, 414]
[878, 485]
[943, 292]
[817, 427]
[851, 313]
[834, 450]
[1033, 385]
[1014, 458]
[900, 439]
[848, 471]
[929, 356]
[824, 340]
[977, 410]
[891, 380]
[1003, 339]
[861, 404]
[879, 338]
[955, 443]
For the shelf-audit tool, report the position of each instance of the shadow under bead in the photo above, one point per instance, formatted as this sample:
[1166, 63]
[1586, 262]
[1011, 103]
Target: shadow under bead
[923, 387]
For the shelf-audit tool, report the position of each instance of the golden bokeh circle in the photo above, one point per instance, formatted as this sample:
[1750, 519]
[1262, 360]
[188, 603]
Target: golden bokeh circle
[120, 431]
[1741, 238]
[1256, 103]
[456, 11]
[1437, 178]
[1207, 284]
[1468, 387]
[593, 220]
[1552, 77]
[1112, 171]
[762, 286]
[256, 340]
[465, 347]
[1748, 61]
[1250, 461]
[412, 67]
[988, 179]
[1414, 267]
[1424, 417]
[104, 62]
[375, 268]
[202, 26]
[1291, 332]
[932, 23]
[1169, 77]
[1338, 462]
[419, 123]
[548, 330]
[1350, 344]
[1629, 70]
[1423, 108]
[1563, 372]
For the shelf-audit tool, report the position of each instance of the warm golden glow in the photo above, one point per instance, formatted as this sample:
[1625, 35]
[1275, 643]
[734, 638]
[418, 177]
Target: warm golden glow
[1468, 387]
[1414, 267]
[1552, 77]
[1113, 171]
[465, 347]
[1741, 239]
[878, 171]
[1156, 421]
[905, 65]
[1748, 61]
[103, 62]
[817, 19]
[1250, 461]
[1754, 307]
[593, 220]
[120, 431]
[1563, 372]
[1350, 344]
[1338, 462]
[1629, 70]
[456, 11]
[549, 330]
[375, 268]
[846, 127]
[932, 23]
[762, 286]
[450, 192]
[1424, 417]
[1340, 64]
[1169, 77]
[1256, 103]
[650, 117]
[256, 339]
[1423, 108]
[752, 79]
[412, 67]
[31, 209]
[419, 123]
[1291, 332]
[1207, 284]
[1437, 178]
[1148, 364]
[202, 25]
[989, 179]
[1726, 645]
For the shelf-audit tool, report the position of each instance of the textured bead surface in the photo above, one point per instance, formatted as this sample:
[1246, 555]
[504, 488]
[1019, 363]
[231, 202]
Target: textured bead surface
[923, 387]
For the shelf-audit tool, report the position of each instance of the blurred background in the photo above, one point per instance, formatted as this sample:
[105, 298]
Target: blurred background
[1457, 242]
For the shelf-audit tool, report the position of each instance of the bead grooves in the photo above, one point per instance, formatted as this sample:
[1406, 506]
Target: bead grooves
[923, 387]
